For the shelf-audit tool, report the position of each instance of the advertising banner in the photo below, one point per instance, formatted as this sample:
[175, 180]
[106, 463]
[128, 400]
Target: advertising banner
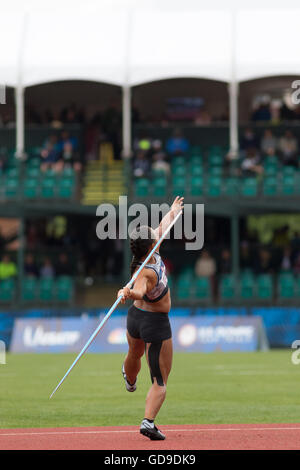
[194, 334]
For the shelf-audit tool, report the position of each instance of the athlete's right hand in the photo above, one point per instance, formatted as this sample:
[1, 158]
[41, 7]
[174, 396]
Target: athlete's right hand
[177, 205]
[126, 294]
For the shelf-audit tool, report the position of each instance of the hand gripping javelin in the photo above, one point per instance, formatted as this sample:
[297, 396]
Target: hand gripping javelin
[114, 306]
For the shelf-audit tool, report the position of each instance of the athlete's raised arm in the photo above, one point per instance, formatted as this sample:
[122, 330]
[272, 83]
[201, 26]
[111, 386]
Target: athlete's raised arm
[176, 207]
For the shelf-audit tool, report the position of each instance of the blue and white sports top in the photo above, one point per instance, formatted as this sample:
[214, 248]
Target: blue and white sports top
[161, 288]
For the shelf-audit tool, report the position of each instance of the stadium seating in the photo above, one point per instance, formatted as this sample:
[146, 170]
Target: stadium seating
[7, 290]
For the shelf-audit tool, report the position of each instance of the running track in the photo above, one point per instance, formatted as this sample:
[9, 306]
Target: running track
[179, 437]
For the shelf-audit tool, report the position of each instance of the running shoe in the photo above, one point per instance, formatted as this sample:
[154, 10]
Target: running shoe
[150, 430]
[129, 387]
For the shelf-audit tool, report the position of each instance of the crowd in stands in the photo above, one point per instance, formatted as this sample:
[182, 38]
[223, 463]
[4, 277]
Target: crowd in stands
[265, 112]
[254, 150]
[154, 155]
[58, 153]
[281, 255]
[47, 269]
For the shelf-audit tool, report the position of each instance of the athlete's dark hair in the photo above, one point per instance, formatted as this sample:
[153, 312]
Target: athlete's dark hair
[141, 240]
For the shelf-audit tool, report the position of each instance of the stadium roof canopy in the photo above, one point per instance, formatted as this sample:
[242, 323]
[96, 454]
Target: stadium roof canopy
[129, 42]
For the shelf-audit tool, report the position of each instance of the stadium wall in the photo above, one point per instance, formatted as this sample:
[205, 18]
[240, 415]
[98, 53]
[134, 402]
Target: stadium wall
[281, 324]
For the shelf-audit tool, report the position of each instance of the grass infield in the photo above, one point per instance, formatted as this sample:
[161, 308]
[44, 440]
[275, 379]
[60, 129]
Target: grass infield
[261, 387]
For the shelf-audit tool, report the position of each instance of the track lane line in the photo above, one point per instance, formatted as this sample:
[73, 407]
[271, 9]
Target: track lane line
[54, 433]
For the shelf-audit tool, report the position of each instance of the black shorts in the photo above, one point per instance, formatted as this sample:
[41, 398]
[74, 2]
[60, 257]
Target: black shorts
[149, 326]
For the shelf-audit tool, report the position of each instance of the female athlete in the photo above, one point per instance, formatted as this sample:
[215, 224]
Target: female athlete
[148, 326]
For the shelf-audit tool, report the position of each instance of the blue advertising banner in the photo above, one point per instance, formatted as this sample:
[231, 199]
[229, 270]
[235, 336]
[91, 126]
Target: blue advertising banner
[198, 334]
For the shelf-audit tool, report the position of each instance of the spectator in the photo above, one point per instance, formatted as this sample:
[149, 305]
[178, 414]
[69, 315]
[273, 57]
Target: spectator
[68, 157]
[225, 262]
[177, 145]
[67, 139]
[286, 262]
[245, 256]
[262, 113]
[3, 159]
[249, 140]
[8, 268]
[251, 164]
[63, 267]
[30, 267]
[49, 153]
[281, 237]
[47, 270]
[268, 143]
[159, 158]
[288, 147]
[141, 165]
[297, 264]
[263, 264]
[205, 265]
[295, 243]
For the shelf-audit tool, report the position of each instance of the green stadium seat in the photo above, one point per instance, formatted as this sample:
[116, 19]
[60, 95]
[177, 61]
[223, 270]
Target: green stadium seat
[196, 186]
[270, 186]
[29, 289]
[32, 172]
[7, 290]
[68, 172]
[286, 286]
[12, 172]
[288, 184]
[214, 186]
[215, 160]
[196, 150]
[142, 186]
[249, 187]
[64, 289]
[11, 187]
[247, 286]
[184, 285]
[215, 171]
[34, 162]
[31, 188]
[178, 186]
[227, 287]
[271, 170]
[196, 170]
[65, 188]
[46, 289]
[215, 150]
[196, 160]
[231, 186]
[202, 288]
[265, 287]
[178, 161]
[48, 184]
[160, 186]
[179, 171]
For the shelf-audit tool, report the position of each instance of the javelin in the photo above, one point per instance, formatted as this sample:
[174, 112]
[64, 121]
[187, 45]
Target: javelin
[100, 326]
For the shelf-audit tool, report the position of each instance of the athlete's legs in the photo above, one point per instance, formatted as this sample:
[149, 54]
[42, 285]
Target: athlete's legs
[132, 363]
[159, 357]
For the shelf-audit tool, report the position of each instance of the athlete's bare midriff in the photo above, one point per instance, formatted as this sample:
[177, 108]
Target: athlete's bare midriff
[163, 305]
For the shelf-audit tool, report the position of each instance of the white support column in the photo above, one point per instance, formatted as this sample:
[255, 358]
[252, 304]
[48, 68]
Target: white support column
[20, 130]
[233, 90]
[233, 117]
[19, 94]
[126, 109]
